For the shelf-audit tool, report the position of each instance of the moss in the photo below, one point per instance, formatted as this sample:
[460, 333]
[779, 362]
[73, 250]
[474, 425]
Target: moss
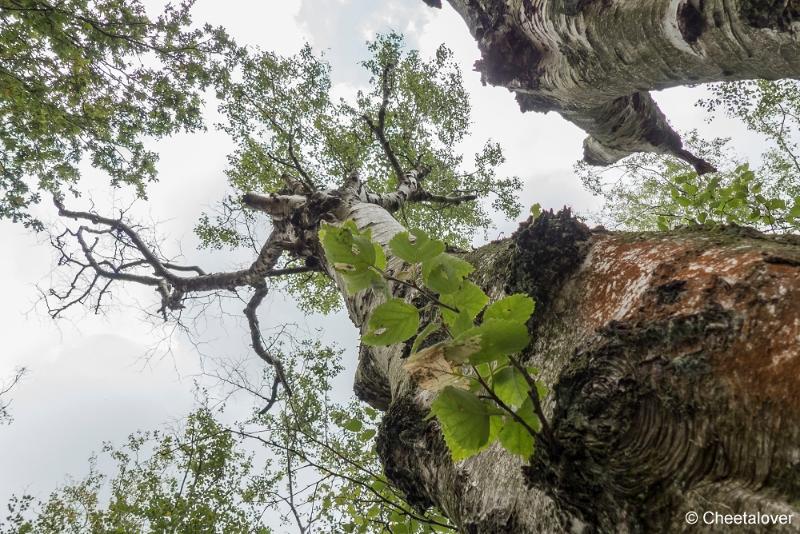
[670, 292]
[546, 252]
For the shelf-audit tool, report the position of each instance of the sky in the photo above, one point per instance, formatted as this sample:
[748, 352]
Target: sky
[99, 378]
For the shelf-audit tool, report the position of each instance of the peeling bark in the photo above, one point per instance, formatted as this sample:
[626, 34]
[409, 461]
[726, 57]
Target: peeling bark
[594, 61]
[673, 361]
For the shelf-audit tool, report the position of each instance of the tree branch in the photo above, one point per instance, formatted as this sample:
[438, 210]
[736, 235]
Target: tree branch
[379, 129]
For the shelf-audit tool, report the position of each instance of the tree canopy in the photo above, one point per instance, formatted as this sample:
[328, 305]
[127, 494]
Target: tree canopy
[654, 192]
[88, 81]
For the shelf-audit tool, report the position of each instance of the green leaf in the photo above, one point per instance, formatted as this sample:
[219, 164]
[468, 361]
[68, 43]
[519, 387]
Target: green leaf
[495, 425]
[425, 334]
[795, 211]
[380, 257]
[367, 435]
[391, 322]
[777, 204]
[460, 350]
[463, 322]
[464, 419]
[497, 338]
[353, 425]
[358, 281]
[536, 210]
[528, 414]
[510, 385]
[469, 300]
[541, 390]
[347, 249]
[445, 273]
[516, 439]
[421, 249]
[517, 308]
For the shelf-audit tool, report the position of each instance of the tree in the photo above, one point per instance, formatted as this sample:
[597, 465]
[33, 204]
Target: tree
[196, 481]
[5, 395]
[667, 381]
[594, 62]
[82, 79]
[315, 472]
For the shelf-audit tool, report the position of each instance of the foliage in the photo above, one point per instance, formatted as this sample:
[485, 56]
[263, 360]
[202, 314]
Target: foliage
[195, 481]
[311, 463]
[483, 393]
[284, 118]
[325, 456]
[90, 79]
[650, 192]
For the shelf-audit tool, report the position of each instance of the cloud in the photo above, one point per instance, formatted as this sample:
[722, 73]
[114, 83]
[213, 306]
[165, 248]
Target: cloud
[341, 28]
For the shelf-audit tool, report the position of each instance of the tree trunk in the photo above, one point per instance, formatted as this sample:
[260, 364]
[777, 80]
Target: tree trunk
[673, 362]
[593, 61]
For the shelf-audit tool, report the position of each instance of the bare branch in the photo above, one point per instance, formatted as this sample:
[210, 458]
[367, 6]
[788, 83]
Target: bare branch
[251, 312]
[279, 207]
[424, 196]
[172, 287]
[5, 402]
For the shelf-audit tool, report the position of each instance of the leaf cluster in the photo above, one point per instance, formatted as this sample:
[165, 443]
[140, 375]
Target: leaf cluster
[311, 464]
[654, 192]
[649, 191]
[483, 393]
[197, 480]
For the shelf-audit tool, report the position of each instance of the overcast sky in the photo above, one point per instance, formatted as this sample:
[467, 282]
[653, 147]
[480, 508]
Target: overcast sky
[91, 378]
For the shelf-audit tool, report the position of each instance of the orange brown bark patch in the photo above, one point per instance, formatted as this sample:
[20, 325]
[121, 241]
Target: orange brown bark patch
[658, 278]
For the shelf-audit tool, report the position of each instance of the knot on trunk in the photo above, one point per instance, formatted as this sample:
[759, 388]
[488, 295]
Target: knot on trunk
[627, 418]
[507, 54]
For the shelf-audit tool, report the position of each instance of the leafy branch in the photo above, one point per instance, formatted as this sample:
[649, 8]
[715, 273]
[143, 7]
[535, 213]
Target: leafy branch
[483, 393]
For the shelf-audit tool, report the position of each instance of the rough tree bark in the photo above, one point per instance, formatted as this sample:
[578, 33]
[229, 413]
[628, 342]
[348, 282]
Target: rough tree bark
[594, 61]
[673, 360]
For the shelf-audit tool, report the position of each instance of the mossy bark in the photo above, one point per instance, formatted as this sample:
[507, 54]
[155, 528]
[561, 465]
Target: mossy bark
[673, 362]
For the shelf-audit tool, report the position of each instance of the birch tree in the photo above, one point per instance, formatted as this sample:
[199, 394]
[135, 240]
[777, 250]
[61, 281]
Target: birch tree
[667, 361]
